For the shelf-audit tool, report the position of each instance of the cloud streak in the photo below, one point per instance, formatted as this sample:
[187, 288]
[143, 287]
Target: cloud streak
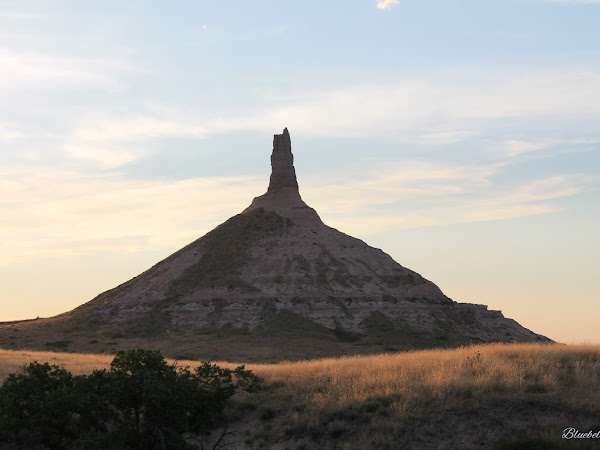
[385, 4]
[442, 107]
[419, 194]
[9, 131]
[57, 213]
[34, 70]
[432, 109]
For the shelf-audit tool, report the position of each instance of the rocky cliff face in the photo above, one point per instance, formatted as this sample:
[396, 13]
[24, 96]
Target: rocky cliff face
[277, 255]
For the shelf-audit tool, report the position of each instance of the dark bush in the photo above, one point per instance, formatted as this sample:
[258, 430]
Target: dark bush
[37, 407]
[141, 402]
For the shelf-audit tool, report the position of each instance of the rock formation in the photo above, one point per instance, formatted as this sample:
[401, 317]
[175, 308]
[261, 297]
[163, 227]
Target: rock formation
[283, 173]
[283, 194]
[277, 261]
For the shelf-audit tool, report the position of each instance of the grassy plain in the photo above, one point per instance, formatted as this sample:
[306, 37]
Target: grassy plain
[487, 396]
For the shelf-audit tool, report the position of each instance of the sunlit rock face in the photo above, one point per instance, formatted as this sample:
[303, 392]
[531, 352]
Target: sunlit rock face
[276, 256]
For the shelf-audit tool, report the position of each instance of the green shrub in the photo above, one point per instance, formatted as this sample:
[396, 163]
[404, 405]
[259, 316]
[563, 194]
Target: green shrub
[140, 402]
[36, 408]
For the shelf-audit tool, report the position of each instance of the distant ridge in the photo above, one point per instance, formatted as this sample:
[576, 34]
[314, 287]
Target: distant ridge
[275, 282]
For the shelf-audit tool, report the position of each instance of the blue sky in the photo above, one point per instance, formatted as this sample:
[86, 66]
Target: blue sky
[461, 137]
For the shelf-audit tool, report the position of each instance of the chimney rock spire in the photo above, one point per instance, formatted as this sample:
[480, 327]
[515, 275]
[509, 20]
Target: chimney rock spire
[283, 194]
[283, 173]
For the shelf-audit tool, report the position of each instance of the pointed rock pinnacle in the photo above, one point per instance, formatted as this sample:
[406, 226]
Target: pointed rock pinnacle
[283, 194]
[283, 173]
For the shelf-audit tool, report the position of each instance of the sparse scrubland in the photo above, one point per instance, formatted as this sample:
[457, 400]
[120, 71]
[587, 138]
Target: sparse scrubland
[485, 396]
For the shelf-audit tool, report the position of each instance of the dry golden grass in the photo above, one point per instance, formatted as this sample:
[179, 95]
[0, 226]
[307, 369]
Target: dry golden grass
[412, 378]
[441, 375]
[11, 361]
[471, 397]
[328, 397]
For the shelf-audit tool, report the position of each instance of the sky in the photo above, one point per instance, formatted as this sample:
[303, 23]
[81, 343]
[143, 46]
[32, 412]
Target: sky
[462, 137]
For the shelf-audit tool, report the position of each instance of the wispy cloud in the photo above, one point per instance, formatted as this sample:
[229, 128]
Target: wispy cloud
[56, 212]
[112, 142]
[9, 131]
[101, 157]
[20, 15]
[422, 194]
[412, 180]
[127, 129]
[34, 70]
[384, 4]
[431, 109]
[443, 106]
[443, 134]
[550, 188]
[517, 147]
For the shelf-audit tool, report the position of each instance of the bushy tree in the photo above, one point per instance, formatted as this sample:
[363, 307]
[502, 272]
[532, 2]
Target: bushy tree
[140, 402]
[31, 406]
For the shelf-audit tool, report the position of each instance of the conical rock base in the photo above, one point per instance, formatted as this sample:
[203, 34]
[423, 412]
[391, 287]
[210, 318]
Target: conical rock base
[276, 275]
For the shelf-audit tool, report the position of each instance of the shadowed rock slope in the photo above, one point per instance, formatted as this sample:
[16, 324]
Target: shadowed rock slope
[276, 282]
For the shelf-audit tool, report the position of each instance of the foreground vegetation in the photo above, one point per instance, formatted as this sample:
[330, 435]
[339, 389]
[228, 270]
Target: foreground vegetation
[487, 396]
[141, 402]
